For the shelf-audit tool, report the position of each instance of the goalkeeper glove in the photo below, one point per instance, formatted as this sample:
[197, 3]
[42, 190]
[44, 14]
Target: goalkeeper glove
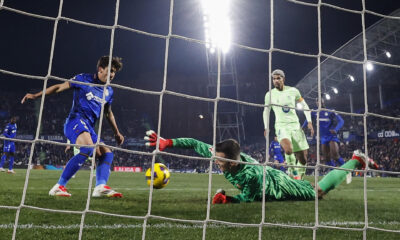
[220, 197]
[152, 136]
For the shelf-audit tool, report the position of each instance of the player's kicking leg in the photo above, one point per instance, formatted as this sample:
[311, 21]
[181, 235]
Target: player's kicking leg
[73, 165]
[102, 175]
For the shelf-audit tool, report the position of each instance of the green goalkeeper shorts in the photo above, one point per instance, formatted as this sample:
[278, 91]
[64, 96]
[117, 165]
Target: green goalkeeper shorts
[294, 133]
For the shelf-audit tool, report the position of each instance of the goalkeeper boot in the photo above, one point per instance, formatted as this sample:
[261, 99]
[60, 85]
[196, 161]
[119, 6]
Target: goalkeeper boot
[2, 169]
[59, 190]
[104, 190]
[11, 171]
[360, 156]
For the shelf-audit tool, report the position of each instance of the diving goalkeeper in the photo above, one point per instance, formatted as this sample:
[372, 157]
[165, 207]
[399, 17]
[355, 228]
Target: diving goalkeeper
[248, 178]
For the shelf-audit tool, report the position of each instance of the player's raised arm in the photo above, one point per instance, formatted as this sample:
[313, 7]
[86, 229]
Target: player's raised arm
[50, 90]
[111, 119]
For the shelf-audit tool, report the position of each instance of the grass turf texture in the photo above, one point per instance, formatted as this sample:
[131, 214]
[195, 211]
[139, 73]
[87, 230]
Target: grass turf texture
[186, 198]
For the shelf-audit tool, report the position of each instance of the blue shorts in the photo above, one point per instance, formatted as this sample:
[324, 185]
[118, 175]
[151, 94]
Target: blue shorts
[74, 127]
[330, 138]
[279, 158]
[9, 147]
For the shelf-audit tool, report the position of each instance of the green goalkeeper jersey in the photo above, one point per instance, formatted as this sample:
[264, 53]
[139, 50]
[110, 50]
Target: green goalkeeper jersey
[249, 178]
[288, 97]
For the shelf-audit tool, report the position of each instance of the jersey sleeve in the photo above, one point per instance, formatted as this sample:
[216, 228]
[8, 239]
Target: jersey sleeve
[77, 78]
[203, 149]
[339, 120]
[266, 110]
[6, 132]
[250, 190]
[297, 95]
[111, 92]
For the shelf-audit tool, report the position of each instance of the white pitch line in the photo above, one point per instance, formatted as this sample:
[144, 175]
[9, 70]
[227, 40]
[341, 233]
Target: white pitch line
[186, 226]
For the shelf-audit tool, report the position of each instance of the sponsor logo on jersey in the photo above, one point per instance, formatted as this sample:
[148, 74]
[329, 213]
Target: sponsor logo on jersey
[90, 96]
[285, 109]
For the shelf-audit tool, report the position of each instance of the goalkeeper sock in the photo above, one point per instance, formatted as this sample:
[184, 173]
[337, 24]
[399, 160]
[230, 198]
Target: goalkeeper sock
[103, 168]
[336, 177]
[11, 164]
[291, 160]
[3, 159]
[71, 168]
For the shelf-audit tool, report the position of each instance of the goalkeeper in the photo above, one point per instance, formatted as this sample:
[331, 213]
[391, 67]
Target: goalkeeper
[248, 178]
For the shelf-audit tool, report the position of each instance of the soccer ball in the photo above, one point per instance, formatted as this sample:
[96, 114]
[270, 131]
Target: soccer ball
[161, 176]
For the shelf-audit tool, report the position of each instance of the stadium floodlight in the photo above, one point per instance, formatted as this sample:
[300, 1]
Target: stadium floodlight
[351, 77]
[369, 66]
[327, 96]
[388, 54]
[201, 116]
[335, 90]
[217, 27]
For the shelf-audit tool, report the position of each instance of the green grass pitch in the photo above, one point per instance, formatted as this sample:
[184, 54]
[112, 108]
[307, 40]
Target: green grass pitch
[186, 198]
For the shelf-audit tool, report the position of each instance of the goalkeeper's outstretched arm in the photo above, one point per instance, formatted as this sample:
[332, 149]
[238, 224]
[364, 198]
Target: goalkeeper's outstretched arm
[203, 149]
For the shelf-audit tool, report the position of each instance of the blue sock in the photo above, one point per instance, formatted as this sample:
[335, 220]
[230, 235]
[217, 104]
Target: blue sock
[3, 159]
[340, 161]
[71, 168]
[331, 163]
[10, 167]
[103, 168]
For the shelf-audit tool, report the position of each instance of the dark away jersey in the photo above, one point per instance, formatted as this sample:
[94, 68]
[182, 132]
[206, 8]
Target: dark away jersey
[10, 131]
[88, 99]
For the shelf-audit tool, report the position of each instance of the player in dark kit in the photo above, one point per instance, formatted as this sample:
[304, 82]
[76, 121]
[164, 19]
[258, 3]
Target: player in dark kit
[275, 150]
[328, 134]
[79, 125]
[248, 178]
[10, 131]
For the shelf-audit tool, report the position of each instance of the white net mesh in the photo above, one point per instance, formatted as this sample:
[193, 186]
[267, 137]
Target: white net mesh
[208, 220]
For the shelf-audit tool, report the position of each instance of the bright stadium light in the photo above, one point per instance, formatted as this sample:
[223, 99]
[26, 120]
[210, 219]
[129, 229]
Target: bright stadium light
[327, 96]
[388, 54]
[335, 90]
[201, 116]
[369, 66]
[351, 78]
[217, 27]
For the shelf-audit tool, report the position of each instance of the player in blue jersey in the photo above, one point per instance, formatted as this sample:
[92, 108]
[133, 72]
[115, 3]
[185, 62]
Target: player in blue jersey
[10, 131]
[79, 125]
[275, 150]
[328, 134]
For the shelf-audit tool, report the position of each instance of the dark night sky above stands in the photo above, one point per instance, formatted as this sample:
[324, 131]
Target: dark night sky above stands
[25, 41]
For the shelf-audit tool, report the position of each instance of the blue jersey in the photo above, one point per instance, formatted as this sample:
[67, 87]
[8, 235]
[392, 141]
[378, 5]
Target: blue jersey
[10, 132]
[275, 149]
[326, 122]
[88, 99]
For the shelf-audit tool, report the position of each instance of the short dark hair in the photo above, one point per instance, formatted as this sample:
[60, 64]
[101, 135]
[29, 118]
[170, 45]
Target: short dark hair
[229, 147]
[115, 63]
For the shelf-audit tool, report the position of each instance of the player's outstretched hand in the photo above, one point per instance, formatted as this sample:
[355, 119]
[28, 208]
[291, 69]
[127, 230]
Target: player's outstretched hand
[220, 197]
[28, 96]
[119, 138]
[152, 136]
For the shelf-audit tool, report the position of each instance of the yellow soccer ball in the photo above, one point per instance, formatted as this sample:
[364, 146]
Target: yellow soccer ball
[161, 176]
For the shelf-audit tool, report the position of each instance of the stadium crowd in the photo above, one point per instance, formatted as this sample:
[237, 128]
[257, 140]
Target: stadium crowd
[385, 151]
